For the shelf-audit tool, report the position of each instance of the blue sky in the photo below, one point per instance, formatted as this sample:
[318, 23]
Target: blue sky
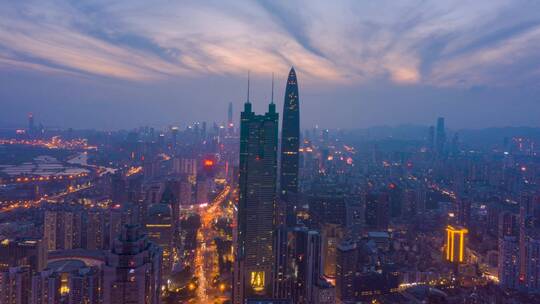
[125, 63]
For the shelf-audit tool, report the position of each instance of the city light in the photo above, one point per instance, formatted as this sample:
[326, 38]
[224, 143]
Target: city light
[455, 243]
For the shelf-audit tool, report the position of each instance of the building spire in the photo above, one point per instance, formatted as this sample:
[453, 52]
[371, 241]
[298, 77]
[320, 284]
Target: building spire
[272, 99]
[248, 90]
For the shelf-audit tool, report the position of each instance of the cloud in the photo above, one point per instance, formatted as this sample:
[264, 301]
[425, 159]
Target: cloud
[442, 43]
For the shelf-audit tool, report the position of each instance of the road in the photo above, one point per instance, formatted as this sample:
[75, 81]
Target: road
[53, 198]
[206, 256]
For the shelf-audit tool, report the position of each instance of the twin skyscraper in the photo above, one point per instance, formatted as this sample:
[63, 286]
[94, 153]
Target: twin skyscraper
[259, 203]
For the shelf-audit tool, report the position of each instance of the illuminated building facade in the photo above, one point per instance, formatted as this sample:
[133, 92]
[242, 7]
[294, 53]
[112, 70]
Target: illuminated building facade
[131, 273]
[95, 229]
[346, 268]
[533, 264]
[298, 264]
[508, 249]
[20, 259]
[290, 141]
[23, 252]
[455, 244]
[256, 207]
[377, 214]
[160, 229]
[67, 281]
[62, 229]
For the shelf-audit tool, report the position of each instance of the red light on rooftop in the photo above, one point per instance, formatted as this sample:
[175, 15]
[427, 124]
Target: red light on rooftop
[208, 162]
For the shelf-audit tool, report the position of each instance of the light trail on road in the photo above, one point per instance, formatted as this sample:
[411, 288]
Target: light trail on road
[206, 252]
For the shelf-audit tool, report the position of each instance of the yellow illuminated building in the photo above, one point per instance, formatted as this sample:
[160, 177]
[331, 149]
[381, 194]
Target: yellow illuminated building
[455, 243]
[257, 281]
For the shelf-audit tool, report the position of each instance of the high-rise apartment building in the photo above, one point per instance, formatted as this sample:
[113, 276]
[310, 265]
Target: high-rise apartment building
[131, 273]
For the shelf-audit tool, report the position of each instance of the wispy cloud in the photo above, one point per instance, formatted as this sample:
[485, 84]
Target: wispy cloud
[409, 42]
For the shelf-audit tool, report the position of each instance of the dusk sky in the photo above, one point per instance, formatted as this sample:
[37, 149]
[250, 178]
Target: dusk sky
[126, 63]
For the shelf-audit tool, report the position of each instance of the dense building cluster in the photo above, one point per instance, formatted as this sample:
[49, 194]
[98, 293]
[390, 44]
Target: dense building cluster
[258, 213]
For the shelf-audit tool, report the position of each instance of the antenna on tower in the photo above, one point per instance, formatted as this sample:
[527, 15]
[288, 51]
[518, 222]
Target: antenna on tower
[248, 88]
[272, 100]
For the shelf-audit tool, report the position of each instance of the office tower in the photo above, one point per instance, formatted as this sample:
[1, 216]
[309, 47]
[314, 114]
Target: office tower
[455, 244]
[525, 213]
[31, 124]
[131, 273]
[431, 138]
[298, 263]
[346, 267]
[440, 140]
[508, 249]
[256, 206]
[377, 215]
[332, 235]
[290, 141]
[282, 281]
[160, 229]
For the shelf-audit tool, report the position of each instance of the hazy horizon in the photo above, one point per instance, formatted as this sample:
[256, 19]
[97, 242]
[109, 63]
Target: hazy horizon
[132, 63]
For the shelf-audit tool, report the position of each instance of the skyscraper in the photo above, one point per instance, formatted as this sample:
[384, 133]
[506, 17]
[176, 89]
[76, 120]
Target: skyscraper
[508, 246]
[290, 141]
[346, 267]
[441, 136]
[258, 178]
[160, 229]
[431, 138]
[298, 264]
[31, 124]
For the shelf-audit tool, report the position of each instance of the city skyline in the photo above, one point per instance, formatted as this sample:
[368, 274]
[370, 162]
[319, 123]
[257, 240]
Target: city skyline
[108, 66]
[143, 159]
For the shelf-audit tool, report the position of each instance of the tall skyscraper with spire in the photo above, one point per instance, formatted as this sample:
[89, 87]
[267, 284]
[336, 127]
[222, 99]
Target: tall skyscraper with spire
[256, 207]
[290, 143]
